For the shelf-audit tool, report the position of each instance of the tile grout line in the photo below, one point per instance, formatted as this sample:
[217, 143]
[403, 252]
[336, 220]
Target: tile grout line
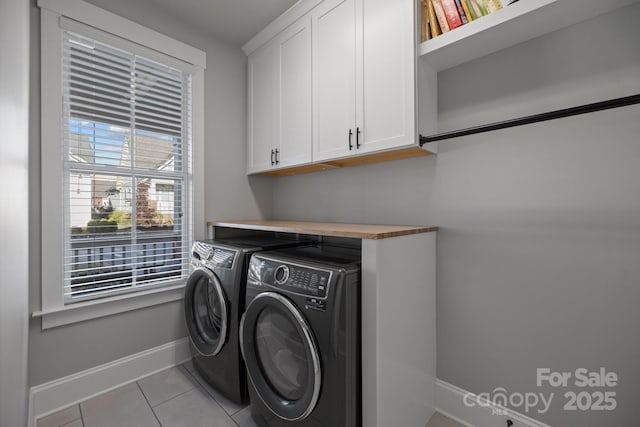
[171, 398]
[148, 404]
[71, 422]
[198, 385]
[234, 420]
[80, 410]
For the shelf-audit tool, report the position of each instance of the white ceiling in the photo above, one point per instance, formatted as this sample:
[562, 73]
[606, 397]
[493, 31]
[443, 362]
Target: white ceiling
[233, 21]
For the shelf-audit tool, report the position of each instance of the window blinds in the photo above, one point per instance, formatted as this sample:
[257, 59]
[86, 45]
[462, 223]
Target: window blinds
[127, 197]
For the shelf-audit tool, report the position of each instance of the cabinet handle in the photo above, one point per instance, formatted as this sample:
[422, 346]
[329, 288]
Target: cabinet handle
[350, 136]
[277, 156]
[358, 137]
[272, 153]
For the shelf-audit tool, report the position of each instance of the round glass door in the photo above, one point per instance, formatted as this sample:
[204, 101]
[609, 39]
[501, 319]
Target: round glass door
[281, 356]
[206, 312]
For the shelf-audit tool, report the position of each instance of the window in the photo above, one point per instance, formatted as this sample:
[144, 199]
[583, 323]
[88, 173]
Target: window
[123, 187]
[126, 131]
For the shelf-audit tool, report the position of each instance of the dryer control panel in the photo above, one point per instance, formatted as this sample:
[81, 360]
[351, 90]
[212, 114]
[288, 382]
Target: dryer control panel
[202, 253]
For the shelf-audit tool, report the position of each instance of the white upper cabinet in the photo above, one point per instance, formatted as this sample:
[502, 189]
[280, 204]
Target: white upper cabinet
[262, 108]
[294, 73]
[331, 81]
[388, 74]
[364, 78]
[279, 131]
[334, 79]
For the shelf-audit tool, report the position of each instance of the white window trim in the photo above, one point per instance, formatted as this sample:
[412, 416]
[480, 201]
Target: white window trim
[53, 310]
[122, 27]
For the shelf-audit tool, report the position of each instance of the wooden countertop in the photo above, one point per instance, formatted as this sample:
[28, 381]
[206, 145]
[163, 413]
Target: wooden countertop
[360, 231]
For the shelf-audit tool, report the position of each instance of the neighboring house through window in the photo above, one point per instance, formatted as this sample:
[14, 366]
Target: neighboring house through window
[119, 132]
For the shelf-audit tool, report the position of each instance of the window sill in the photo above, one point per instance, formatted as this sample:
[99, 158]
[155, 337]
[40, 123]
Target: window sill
[94, 309]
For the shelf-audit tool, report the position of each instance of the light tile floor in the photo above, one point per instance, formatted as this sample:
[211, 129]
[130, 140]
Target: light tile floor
[176, 397]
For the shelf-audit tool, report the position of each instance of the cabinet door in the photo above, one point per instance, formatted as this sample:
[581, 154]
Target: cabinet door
[334, 85]
[294, 72]
[263, 107]
[388, 78]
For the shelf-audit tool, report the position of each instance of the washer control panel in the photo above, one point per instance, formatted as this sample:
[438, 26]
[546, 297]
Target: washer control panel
[299, 279]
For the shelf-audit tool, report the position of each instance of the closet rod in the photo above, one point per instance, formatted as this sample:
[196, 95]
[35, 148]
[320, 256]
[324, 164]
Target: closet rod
[551, 115]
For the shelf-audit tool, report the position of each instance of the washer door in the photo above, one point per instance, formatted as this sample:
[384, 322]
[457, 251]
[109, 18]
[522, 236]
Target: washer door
[281, 356]
[205, 309]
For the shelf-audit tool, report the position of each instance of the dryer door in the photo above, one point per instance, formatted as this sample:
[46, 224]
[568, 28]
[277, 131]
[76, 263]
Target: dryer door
[205, 310]
[281, 356]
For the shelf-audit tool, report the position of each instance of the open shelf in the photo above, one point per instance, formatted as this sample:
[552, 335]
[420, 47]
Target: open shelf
[509, 26]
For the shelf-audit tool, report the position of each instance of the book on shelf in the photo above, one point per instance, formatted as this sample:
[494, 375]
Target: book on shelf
[492, 5]
[451, 13]
[479, 8]
[433, 20]
[461, 12]
[442, 18]
[465, 9]
[472, 11]
[475, 8]
[425, 29]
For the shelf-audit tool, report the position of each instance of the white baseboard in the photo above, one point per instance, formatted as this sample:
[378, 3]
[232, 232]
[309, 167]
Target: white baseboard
[50, 397]
[477, 412]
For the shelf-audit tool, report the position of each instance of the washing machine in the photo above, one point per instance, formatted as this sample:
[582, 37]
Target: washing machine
[213, 303]
[300, 337]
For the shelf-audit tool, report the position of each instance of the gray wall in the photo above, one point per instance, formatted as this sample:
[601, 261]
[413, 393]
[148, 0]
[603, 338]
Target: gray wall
[14, 203]
[228, 194]
[540, 225]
